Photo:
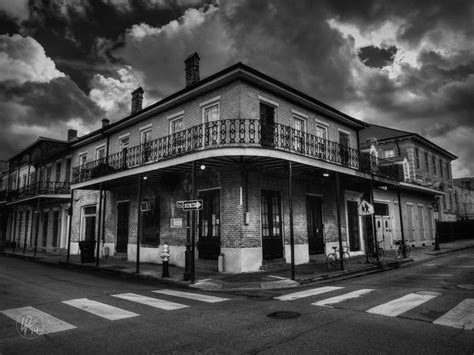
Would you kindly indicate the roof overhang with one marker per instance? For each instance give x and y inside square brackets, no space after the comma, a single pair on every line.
[422,189]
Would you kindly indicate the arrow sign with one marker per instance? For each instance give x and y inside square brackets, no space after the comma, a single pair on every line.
[190,205]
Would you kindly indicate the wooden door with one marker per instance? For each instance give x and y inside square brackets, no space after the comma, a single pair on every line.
[353,225]
[122,227]
[272,238]
[315,224]
[267,125]
[209,244]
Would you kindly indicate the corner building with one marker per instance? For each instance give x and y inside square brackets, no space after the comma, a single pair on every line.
[273,166]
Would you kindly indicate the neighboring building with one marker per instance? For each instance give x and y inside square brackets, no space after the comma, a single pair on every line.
[38,196]
[243,129]
[3,204]
[427,178]
[464,198]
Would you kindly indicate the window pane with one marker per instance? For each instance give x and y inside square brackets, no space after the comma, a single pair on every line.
[381,209]
[211,113]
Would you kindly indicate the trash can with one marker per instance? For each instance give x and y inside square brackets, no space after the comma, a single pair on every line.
[87,248]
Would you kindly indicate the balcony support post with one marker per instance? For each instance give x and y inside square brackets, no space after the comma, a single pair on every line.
[70,225]
[338,214]
[37,227]
[139,221]
[99,226]
[290,204]
[12,238]
[401,220]
[374,236]
[193,225]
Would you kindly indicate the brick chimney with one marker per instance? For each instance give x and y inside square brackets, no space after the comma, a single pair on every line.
[105,122]
[191,65]
[71,134]
[137,100]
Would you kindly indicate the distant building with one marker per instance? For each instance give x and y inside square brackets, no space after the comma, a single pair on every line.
[464,198]
[426,184]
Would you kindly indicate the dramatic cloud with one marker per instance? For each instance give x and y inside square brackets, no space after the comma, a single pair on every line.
[404,64]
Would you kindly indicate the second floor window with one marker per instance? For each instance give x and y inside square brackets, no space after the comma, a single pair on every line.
[299,126]
[427,163]
[417,158]
[124,143]
[448,171]
[58,171]
[441,173]
[82,159]
[100,154]
[48,173]
[68,170]
[433,160]
[211,113]
[389,153]
[176,125]
[145,136]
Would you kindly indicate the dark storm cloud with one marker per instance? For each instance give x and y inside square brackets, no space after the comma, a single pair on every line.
[376,57]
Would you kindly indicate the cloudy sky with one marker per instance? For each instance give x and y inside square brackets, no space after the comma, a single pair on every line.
[402,64]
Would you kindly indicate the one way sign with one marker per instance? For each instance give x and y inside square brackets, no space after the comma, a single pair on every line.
[190,205]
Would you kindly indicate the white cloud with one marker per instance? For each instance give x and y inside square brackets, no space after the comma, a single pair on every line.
[17,9]
[23,59]
[159,52]
[114,94]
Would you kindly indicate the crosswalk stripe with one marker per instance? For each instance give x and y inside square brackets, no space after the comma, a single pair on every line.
[307,293]
[192,296]
[343,297]
[401,305]
[49,324]
[461,316]
[100,309]
[149,301]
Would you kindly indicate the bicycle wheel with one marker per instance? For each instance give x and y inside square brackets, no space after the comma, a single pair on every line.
[346,257]
[407,251]
[331,261]
[380,254]
[398,252]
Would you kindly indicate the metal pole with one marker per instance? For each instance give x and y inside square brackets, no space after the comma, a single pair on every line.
[139,224]
[37,226]
[338,213]
[401,220]
[103,216]
[14,227]
[26,228]
[193,225]
[374,237]
[292,237]
[70,226]
[99,226]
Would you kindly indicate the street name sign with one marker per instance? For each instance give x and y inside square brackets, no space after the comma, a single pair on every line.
[190,205]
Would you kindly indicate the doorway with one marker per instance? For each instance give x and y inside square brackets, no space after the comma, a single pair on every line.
[272,241]
[315,224]
[89,218]
[421,224]
[122,227]
[267,123]
[209,244]
[410,227]
[45,229]
[353,225]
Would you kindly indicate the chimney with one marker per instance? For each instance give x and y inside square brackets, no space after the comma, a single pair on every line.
[137,99]
[105,122]
[191,65]
[71,134]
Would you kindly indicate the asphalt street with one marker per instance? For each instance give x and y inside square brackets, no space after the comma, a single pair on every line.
[422,308]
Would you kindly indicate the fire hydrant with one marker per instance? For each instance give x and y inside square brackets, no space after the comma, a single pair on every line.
[165,256]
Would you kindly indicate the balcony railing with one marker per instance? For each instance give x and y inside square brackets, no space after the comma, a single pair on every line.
[39,188]
[234,133]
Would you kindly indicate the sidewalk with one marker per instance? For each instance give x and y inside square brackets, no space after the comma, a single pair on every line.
[269,279]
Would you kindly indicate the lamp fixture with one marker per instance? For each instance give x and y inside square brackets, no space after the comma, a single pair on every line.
[202,166]
[145,177]
[326,174]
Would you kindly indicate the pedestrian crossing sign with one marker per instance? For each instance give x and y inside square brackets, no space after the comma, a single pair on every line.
[365,208]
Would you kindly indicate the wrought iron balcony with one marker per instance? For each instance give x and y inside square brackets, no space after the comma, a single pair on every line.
[39,188]
[234,133]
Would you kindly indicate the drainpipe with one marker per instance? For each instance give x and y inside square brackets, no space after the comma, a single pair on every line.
[338,213]
[292,238]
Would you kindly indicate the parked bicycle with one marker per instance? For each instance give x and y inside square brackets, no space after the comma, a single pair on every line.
[402,249]
[377,253]
[333,259]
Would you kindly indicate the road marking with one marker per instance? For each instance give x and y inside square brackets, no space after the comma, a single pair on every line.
[307,293]
[401,305]
[192,296]
[466,256]
[50,324]
[347,296]
[431,275]
[461,316]
[462,266]
[149,301]
[100,309]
